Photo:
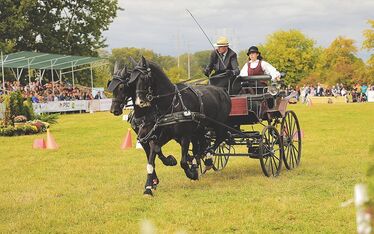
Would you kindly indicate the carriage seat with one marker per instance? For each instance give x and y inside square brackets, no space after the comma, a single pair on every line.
[249,85]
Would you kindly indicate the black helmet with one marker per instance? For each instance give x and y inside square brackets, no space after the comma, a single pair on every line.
[253,49]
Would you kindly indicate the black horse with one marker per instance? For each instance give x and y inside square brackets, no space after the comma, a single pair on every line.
[142,119]
[154,89]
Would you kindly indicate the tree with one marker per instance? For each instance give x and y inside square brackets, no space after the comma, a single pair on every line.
[102,76]
[368,44]
[369,37]
[55,26]
[290,52]
[122,55]
[176,74]
[339,64]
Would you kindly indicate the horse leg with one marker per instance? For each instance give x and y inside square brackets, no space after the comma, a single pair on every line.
[192,172]
[169,160]
[220,137]
[155,179]
[152,180]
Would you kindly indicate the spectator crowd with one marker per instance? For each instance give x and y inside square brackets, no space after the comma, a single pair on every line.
[56,91]
[355,93]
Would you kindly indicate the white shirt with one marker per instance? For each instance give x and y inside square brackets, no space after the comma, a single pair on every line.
[266,67]
[223,56]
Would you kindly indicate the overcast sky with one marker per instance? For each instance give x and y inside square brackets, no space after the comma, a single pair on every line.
[157,24]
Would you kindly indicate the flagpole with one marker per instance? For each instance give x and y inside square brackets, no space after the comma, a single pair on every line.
[2,71]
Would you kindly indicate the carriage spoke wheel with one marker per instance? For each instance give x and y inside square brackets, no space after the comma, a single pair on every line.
[220,161]
[291,138]
[271,151]
[202,169]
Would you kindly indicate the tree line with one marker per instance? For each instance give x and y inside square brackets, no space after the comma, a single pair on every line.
[75,27]
[292,52]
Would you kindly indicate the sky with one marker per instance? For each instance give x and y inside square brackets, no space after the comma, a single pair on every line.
[166,27]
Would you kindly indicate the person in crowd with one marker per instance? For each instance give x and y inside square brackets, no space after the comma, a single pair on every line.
[34,98]
[98,95]
[364,89]
[223,61]
[343,92]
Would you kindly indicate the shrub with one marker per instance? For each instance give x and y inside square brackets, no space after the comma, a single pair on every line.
[7,131]
[14,107]
[41,126]
[29,128]
[48,118]
[28,111]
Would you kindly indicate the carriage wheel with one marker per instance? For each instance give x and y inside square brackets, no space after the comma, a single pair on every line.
[202,169]
[271,151]
[291,138]
[220,161]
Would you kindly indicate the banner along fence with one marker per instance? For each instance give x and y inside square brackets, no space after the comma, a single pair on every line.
[73,106]
[67,106]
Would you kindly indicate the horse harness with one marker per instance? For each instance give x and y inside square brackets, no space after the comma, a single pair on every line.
[175,117]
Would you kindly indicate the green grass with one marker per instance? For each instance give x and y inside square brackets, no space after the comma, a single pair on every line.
[90,185]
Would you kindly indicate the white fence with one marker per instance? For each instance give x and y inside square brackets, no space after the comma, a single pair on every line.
[67,106]
[370,96]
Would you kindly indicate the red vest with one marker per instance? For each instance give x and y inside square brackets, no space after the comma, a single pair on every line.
[255,71]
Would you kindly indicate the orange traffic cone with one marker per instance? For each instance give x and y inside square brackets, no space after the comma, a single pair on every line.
[127,142]
[39,144]
[51,143]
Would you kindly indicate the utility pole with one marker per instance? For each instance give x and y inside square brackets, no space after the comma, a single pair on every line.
[2,70]
[178,61]
[188,62]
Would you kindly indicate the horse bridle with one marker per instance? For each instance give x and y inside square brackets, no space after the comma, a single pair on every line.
[146,72]
[118,80]
[146,76]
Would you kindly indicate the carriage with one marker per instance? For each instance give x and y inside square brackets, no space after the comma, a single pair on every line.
[164,111]
[279,141]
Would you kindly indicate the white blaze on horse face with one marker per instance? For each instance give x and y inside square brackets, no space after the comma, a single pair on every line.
[141,103]
[137,101]
[149,168]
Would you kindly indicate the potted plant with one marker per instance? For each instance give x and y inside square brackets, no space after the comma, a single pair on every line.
[19,120]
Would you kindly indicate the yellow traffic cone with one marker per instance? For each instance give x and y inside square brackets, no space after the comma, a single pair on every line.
[51,143]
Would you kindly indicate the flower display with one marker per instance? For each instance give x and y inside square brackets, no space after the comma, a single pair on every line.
[20,119]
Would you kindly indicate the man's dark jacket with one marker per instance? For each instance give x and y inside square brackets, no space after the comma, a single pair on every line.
[215,64]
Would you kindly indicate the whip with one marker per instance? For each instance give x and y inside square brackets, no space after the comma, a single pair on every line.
[220,58]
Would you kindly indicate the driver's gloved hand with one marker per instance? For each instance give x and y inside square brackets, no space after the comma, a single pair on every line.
[230,73]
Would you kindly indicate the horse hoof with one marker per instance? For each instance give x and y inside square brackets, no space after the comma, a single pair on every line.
[171,161]
[155,183]
[148,193]
[195,175]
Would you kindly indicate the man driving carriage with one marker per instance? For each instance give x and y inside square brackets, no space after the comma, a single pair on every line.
[223,63]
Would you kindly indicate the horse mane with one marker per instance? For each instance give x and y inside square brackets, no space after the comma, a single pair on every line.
[158,72]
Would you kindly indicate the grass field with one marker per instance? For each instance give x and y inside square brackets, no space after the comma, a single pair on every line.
[90,185]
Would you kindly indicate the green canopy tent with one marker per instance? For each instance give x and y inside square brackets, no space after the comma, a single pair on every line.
[61,64]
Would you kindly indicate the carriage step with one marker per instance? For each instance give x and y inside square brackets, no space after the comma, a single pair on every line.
[246,135]
[254,152]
